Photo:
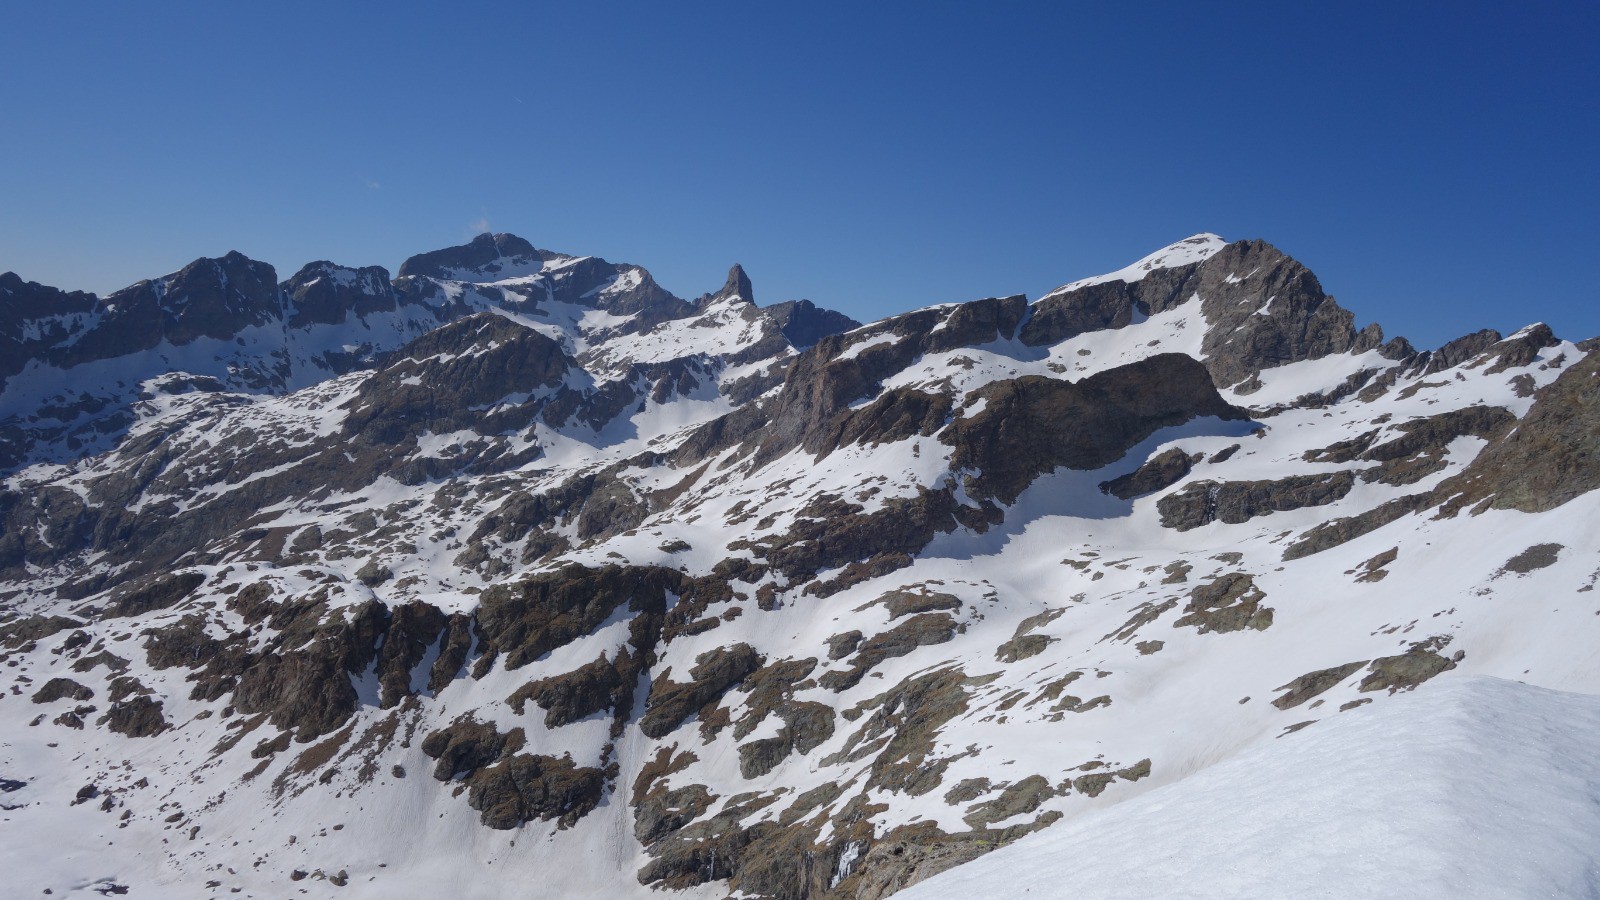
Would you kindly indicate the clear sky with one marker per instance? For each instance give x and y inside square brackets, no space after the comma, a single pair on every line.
[1434,163]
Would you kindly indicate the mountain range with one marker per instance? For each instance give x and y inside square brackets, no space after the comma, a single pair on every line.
[515,574]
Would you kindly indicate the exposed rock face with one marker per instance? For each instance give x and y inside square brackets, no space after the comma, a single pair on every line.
[1552,457]
[468,745]
[33,317]
[1263,309]
[804,323]
[1458,351]
[486,256]
[135,717]
[521,623]
[448,376]
[528,787]
[308,688]
[215,298]
[1296,321]
[508,788]
[595,687]
[1230,603]
[323,293]
[1159,472]
[414,628]
[821,385]
[62,689]
[161,594]
[1236,502]
[1031,426]
[1093,308]
[1311,684]
[714,672]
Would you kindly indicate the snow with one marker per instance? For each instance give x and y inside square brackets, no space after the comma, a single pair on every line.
[1194,249]
[1469,787]
[1228,807]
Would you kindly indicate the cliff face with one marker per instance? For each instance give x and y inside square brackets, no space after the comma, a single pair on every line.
[517,569]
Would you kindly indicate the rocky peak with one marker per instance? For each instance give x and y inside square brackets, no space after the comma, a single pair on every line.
[20,300]
[209,298]
[218,298]
[1261,308]
[737,287]
[1187,252]
[33,315]
[804,323]
[487,257]
[325,293]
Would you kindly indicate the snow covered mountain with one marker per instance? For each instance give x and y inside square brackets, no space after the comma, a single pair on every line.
[517,574]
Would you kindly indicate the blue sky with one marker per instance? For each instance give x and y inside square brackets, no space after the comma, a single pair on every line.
[1435,164]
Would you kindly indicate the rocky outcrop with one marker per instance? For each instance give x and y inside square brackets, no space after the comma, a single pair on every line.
[1158,473]
[921,630]
[35,628]
[1237,502]
[1334,532]
[804,323]
[602,685]
[526,787]
[1264,309]
[1230,602]
[864,544]
[714,672]
[62,689]
[135,717]
[508,788]
[323,293]
[1552,456]
[487,256]
[1031,426]
[445,379]
[306,686]
[467,745]
[520,623]
[1311,684]
[1421,661]
[160,593]
[806,726]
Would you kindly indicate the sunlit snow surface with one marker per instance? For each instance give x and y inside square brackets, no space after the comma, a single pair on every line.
[1189,250]
[1469,788]
[1390,785]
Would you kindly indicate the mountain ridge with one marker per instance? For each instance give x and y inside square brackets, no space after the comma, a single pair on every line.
[718,598]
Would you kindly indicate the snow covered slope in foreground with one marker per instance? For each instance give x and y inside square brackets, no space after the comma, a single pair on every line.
[1469,787]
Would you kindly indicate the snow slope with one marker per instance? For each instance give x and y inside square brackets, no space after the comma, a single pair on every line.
[1470,787]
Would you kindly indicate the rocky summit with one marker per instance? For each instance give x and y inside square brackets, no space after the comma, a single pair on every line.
[515,574]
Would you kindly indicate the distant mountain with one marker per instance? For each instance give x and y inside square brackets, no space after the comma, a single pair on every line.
[516,569]
[73,365]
